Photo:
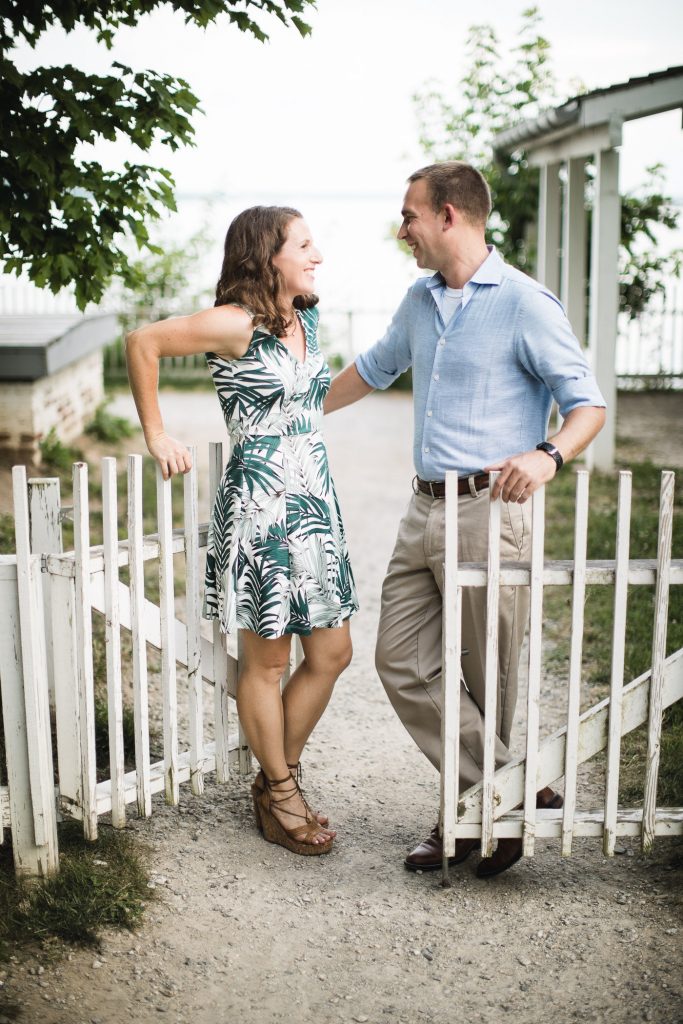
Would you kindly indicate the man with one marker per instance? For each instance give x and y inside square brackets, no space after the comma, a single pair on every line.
[490,350]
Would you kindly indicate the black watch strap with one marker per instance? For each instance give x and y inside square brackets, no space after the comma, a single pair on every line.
[546,446]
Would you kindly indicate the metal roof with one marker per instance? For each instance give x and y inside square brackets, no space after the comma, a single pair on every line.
[34,346]
[624,101]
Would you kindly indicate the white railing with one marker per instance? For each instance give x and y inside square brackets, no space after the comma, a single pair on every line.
[491,809]
[48,598]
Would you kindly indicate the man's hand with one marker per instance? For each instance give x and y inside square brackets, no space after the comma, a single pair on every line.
[521,475]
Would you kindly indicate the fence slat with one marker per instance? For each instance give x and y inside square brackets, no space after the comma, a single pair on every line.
[450,677]
[617,674]
[193,616]
[86,684]
[654,734]
[33,659]
[21,749]
[221,661]
[571,760]
[46,538]
[167,613]
[491,673]
[112,639]
[137,602]
[534,685]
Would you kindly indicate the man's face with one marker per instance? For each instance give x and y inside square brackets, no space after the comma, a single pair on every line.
[422,228]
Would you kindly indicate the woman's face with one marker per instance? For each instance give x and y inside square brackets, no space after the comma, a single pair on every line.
[297,259]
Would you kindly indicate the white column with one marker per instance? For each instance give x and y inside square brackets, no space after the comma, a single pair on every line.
[549,223]
[573,284]
[604,298]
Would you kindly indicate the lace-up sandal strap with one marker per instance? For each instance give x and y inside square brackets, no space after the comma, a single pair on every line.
[299,771]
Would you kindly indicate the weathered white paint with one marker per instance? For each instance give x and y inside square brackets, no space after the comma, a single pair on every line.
[168,659]
[221,666]
[46,537]
[34,671]
[491,671]
[666,507]
[193,603]
[84,665]
[534,683]
[137,596]
[16,803]
[112,639]
[576,647]
[617,674]
[450,676]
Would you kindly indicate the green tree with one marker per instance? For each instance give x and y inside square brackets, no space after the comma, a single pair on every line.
[499,89]
[65,219]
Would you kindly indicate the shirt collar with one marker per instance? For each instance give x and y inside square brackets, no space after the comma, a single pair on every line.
[490,272]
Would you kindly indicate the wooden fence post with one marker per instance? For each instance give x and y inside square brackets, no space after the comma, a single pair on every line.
[46,538]
[25,696]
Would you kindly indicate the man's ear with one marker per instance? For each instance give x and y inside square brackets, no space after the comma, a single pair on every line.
[451,216]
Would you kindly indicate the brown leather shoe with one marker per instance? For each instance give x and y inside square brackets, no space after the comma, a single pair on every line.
[509,851]
[428,856]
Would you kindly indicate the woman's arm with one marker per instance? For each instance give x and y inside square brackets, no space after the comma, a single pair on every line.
[225,330]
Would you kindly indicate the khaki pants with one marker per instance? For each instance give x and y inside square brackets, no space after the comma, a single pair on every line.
[408,655]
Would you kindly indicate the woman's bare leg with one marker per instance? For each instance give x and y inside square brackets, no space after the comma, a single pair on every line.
[260,707]
[327,652]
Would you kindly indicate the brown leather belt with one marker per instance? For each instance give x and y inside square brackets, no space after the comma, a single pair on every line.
[466,485]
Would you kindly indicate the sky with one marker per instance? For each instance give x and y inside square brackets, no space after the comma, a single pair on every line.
[331,116]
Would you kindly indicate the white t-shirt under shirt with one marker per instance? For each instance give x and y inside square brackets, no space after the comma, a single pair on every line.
[451,301]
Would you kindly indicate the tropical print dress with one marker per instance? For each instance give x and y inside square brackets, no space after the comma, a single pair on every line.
[277,561]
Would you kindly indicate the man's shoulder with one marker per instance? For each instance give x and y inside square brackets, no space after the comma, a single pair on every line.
[530,291]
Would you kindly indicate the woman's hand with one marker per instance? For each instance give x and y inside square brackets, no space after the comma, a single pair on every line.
[172,456]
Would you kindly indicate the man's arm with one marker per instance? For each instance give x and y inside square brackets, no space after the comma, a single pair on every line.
[347,387]
[523,474]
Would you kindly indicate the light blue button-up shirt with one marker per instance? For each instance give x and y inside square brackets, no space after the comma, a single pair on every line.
[484,383]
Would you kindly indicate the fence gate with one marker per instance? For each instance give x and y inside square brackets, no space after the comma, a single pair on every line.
[504,802]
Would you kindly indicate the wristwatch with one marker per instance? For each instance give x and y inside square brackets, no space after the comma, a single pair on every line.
[546,446]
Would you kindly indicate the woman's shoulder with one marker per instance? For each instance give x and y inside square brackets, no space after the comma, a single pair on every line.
[230,328]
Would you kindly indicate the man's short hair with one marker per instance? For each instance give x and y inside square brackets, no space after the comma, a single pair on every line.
[459,184]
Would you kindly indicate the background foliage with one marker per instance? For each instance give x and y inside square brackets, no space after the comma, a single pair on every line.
[64,218]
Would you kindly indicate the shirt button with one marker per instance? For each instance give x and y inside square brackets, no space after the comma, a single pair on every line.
[436,376]
[429,412]
[442,342]
[426,451]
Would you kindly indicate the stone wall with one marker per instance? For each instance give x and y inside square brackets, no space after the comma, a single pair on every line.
[66,400]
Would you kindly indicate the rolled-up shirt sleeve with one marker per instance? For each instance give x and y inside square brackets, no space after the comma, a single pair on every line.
[549,350]
[391,355]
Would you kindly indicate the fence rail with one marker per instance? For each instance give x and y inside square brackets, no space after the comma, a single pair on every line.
[50,599]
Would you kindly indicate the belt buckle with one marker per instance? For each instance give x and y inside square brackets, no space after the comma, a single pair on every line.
[416,489]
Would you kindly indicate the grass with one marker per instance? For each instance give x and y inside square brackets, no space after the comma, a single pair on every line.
[107,427]
[597,648]
[99,885]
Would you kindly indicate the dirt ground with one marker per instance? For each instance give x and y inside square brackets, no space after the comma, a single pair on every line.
[243,930]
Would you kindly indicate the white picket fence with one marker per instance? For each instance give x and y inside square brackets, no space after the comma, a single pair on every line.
[488,810]
[48,597]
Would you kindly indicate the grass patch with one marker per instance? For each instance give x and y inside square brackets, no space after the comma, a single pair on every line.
[56,455]
[599,610]
[107,427]
[101,884]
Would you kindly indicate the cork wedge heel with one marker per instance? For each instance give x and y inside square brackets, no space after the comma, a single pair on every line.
[298,839]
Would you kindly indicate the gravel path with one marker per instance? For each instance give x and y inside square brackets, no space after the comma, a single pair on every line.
[246,931]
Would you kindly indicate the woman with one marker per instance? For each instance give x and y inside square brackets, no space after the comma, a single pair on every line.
[277,562]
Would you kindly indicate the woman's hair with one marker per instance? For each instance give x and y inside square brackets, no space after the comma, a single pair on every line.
[248,277]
